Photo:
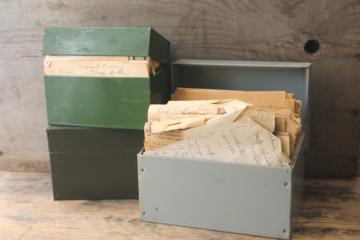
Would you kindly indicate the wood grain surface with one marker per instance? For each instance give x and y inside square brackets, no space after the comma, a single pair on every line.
[27,211]
[203,29]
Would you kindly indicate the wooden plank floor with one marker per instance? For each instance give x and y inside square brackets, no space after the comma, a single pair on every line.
[27,211]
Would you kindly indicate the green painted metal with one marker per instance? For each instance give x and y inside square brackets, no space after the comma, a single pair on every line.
[97,102]
[105,102]
[100,163]
[106,41]
[93,163]
[159,47]
[160,87]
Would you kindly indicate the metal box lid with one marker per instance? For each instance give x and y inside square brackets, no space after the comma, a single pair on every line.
[106,41]
[245,75]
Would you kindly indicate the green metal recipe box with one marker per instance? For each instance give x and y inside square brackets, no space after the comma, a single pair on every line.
[113,93]
[94,163]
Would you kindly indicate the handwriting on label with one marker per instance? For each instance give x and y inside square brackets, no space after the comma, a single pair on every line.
[95,66]
[97,69]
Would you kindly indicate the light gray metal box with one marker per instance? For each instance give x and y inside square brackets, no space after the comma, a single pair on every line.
[247,199]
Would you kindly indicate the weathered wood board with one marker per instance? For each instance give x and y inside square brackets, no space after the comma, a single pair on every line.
[28,212]
[204,29]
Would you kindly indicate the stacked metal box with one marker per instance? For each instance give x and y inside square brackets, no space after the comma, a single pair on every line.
[96,130]
[96,123]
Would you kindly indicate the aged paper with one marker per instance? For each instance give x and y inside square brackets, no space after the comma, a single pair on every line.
[98,66]
[277,99]
[247,96]
[157,140]
[191,118]
[160,139]
[156,112]
[243,141]
[293,128]
[183,116]
[262,115]
[177,116]
[254,97]
[285,142]
[176,124]
[288,122]
[218,122]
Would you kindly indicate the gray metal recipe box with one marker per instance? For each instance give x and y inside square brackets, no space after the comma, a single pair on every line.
[239,198]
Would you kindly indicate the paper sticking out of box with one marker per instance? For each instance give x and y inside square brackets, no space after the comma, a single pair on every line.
[242,141]
[233,129]
[277,99]
[287,109]
[178,120]
[262,131]
[262,115]
[99,66]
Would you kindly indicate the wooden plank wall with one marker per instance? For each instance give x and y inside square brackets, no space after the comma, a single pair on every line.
[202,29]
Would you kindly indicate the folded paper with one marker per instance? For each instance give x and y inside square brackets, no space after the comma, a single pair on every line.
[287,109]
[243,141]
[262,131]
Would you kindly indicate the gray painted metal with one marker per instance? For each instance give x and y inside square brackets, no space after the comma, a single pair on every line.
[245,75]
[227,63]
[238,198]
[248,199]
[297,178]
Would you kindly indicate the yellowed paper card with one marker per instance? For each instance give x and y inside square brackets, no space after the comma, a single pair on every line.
[264,116]
[278,99]
[157,140]
[243,141]
[285,142]
[97,66]
[176,124]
